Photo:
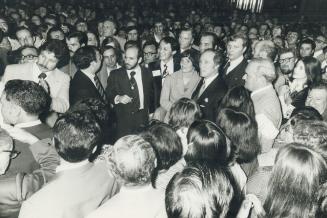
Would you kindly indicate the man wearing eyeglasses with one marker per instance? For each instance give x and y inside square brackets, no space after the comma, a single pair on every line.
[31,163]
[150,53]
[29,54]
[286,62]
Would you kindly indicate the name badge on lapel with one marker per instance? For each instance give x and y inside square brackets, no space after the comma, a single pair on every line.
[156,73]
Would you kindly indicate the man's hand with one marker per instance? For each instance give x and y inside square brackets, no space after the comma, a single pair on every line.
[124,99]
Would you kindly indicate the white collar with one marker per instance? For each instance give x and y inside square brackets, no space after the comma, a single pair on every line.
[237,61]
[89,75]
[261,90]
[137,70]
[209,80]
[28,124]
[136,188]
[64,165]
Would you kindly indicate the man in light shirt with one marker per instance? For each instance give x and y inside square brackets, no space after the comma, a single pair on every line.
[259,75]
[80,186]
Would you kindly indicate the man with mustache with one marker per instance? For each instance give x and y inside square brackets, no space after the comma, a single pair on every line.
[130,91]
[45,72]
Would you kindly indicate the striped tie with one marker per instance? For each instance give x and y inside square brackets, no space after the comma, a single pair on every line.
[100,89]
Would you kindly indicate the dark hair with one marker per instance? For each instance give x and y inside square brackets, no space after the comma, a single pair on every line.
[312,70]
[84,56]
[294,182]
[213,36]
[150,42]
[207,143]
[54,29]
[306,113]
[134,44]
[81,37]
[28,95]
[242,130]
[238,97]
[201,191]
[75,135]
[170,40]
[183,113]
[166,143]
[96,37]
[94,106]
[58,47]
[309,41]
[110,39]
[195,62]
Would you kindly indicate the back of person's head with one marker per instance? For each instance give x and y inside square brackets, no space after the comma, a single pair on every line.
[265,49]
[265,68]
[84,56]
[207,143]
[306,113]
[94,106]
[58,47]
[183,113]
[200,191]
[132,159]
[81,37]
[294,182]
[238,97]
[30,96]
[242,130]
[111,41]
[166,143]
[76,135]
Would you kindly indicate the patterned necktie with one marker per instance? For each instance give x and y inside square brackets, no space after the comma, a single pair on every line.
[165,71]
[100,88]
[42,80]
[135,90]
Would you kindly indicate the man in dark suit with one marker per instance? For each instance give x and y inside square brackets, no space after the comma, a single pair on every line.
[86,83]
[130,89]
[167,64]
[212,88]
[234,70]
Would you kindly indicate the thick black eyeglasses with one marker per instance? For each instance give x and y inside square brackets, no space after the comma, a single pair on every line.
[13,154]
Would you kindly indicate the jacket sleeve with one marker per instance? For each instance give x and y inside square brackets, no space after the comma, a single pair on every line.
[165,93]
[60,102]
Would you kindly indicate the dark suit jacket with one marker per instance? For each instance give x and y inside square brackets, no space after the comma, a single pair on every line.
[157,78]
[81,87]
[211,98]
[234,77]
[119,84]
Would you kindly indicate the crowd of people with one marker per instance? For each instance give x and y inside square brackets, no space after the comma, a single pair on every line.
[124,109]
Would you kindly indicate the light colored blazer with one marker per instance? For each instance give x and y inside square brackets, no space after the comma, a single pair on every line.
[57,80]
[173,88]
[73,193]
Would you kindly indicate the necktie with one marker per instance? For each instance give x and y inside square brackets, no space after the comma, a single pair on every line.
[135,91]
[100,88]
[43,82]
[196,93]
[165,71]
[226,67]
[203,87]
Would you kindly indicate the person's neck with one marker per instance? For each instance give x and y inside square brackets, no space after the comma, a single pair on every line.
[167,60]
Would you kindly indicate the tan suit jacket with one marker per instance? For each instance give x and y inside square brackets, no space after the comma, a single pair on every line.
[57,80]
